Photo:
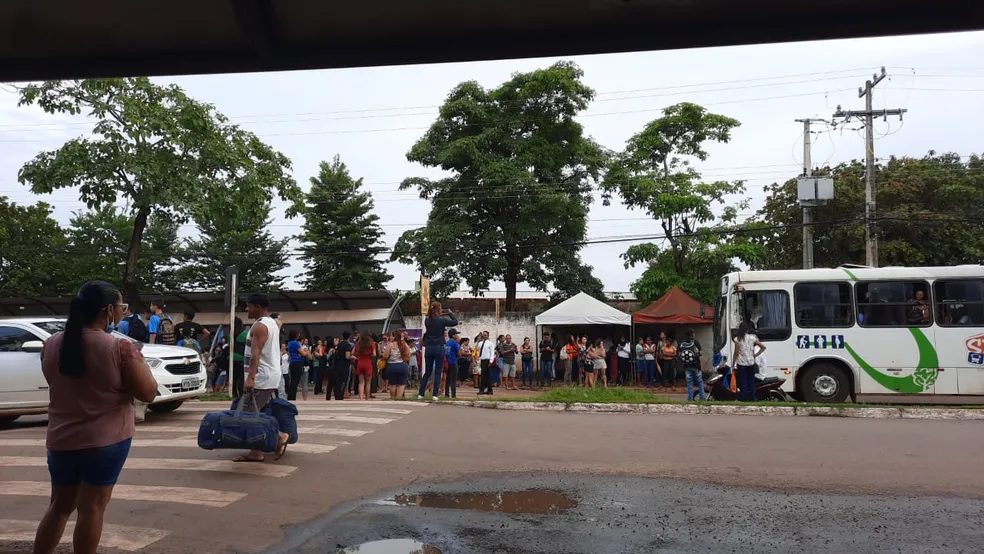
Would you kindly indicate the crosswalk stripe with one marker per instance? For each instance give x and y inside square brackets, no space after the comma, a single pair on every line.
[305,409]
[317,430]
[223,466]
[350,418]
[122,537]
[176,495]
[181,442]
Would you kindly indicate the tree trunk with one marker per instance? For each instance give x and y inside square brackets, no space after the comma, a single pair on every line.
[510,278]
[130,290]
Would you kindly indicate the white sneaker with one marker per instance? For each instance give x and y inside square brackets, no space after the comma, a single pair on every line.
[419,397]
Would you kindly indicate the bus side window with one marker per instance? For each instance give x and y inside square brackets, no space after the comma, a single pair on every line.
[894,304]
[959,303]
[768,310]
[820,305]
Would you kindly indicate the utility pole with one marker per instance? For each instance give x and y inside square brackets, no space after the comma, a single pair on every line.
[807,205]
[870,227]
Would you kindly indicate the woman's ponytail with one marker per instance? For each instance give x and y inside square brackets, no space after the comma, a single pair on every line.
[93,297]
[72,359]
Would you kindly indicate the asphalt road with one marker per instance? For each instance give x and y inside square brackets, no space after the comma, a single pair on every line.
[641,483]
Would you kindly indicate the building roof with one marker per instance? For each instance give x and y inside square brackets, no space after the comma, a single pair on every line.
[49,39]
[297,306]
[675,307]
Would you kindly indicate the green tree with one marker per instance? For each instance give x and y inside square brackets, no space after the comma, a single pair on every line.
[928,212]
[155,148]
[32,252]
[232,233]
[515,203]
[576,279]
[655,173]
[341,237]
[99,239]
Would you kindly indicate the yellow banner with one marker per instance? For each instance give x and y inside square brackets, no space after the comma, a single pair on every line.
[425,293]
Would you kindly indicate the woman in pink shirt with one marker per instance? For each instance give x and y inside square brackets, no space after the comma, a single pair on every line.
[93,378]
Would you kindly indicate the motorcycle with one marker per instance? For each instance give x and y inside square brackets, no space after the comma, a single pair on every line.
[718,387]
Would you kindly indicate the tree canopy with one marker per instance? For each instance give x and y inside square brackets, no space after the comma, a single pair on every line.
[655,173]
[341,237]
[928,213]
[32,251]
[230,232]
[514,204]
[154,148]
[98,245]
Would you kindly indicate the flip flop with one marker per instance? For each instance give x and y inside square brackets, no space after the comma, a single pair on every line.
[248,459]
[281,449]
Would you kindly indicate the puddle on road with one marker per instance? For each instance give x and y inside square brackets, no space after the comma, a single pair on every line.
[392,546]
[535,501]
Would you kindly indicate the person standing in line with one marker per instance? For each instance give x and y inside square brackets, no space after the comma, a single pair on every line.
[640,358]
[263,368]
[486,354]
[595,361]
[546,360]
[453,348]
[383,373]
[465,359]
[507,353]
[93,379]
[435,325]
[526,356]
[624,367]
[649,352]
[747,348]
[689,353]
[160,326]
[238,353]
[297,354]
[342,361]
[189,328]
[364,352]
[284,371]
[414,360]
[396,352]
[668,359]
[574,368]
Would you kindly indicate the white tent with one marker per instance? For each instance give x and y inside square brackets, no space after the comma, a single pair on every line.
[583,309]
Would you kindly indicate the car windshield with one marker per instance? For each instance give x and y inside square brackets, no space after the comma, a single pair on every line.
[51,327]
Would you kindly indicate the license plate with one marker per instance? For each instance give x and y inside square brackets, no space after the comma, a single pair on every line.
[190,383]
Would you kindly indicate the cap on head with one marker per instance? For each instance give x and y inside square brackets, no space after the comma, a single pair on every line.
[452,332]
[258,299]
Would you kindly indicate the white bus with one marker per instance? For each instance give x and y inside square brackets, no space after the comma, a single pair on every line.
[845,332]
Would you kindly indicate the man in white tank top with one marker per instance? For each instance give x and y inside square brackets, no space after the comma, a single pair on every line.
[262,361]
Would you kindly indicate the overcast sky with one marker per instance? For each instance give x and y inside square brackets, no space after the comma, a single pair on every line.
[371,117]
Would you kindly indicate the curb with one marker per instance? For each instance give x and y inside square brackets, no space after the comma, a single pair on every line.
[938,414]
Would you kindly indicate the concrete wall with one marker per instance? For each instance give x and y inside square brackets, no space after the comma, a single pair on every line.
[519,324]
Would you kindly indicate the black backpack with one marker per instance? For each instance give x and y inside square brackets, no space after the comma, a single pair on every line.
[138,329]
[688,353]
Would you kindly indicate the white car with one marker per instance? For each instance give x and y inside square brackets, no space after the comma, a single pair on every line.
[179,371]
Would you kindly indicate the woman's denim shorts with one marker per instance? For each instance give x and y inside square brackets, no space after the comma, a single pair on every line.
[99,467]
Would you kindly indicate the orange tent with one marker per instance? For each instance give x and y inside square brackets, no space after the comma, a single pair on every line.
[675,306]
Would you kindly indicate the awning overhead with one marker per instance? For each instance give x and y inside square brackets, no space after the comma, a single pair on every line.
[675,307]
[583,309]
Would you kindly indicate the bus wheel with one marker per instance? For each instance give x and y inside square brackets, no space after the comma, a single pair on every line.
[825,383]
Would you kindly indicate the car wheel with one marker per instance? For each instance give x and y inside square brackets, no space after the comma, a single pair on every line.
[825,383]
[164,407]
[4,420]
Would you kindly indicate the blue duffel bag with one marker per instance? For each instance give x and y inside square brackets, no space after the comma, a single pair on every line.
[239,430]
[284,412]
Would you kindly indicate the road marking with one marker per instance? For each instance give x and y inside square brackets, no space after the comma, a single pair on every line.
[318,430]
[308,409]
[223,466]
[122,537]
[177,495]
[350,418]
[182,442]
